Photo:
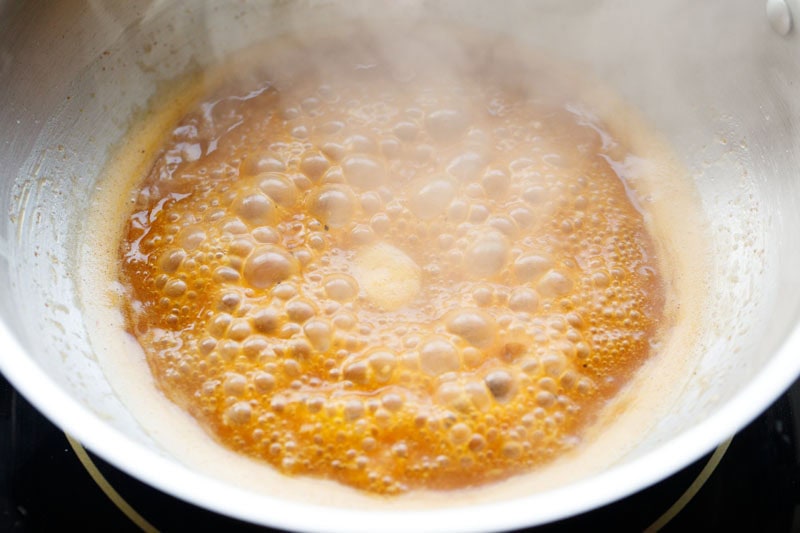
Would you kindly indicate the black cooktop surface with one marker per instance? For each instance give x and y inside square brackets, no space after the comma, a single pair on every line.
[49,482]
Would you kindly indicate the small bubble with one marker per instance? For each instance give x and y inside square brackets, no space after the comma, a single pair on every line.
[457,211]
[284,291]
[524,300]
[333,151]
[171,261]
[264,382]
[218,326]
[478,394]
[500,384]
[553,363]
[175,288]
[400,449]
[371,202]
[530,267]
[545,399]
[382,364]
[191,237]
[522,216]
[259,164]
[353,410]
[534,195]
[431,198]
[504,225]
[392,402]
[406,131]
[299,311]
[268,265]
[361,144]
[278,188]
[226,274]
[318,333]
[438,356]
[234,227]
[300,132]
[380,223]
[568,379]
[467,166]
[341,287]
[355,372]
[266,235]
[364,171]
[362,234]
[585,386]
[234,384]
[496,183]
[582,350]
[472,356]
[241,247]
[446,125]
[478,213]
[333,205]
[473,325]
[239,329]
[512,449]
[487,256]
[344,321]
[255,208]
[553,284]
[460,433]
[601,279]
[476,443]
[239,413]
[483,296]
[266,320]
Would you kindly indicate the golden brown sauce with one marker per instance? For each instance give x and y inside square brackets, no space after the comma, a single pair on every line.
[356,267]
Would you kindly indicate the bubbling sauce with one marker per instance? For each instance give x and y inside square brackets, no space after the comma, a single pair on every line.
[377,270]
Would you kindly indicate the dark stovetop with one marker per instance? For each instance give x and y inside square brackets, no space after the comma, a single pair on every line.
[50,483]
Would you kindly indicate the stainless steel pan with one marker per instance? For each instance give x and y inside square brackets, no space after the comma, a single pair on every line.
[720,80]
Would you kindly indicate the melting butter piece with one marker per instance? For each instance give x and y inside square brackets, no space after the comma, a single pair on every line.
[389,277]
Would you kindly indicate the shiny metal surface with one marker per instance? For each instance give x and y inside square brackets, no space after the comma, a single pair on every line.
[713,77]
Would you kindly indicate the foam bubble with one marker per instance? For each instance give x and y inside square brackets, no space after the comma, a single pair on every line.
[341,287]
[487,255]
[473,325]
[334,205]
[364,171]
[431,198]
[268,265]
[278,188]
[438,356]
[446,125]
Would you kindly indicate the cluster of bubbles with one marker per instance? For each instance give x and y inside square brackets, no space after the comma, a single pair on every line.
[539,289]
